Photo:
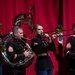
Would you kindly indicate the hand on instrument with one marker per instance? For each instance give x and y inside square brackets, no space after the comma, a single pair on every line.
[46,35]
[27,53]
[54,36]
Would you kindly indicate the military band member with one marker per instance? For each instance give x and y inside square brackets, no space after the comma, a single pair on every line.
[40,46]
[15,50]
[70,52]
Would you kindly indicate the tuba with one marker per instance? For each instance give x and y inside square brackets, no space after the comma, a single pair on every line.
[7,37]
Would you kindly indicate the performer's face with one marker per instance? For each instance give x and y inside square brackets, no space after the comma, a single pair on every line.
[39,30]
[19,33]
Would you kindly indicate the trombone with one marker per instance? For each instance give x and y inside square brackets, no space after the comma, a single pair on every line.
[59,31]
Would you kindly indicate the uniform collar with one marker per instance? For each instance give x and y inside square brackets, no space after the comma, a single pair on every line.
[38,36]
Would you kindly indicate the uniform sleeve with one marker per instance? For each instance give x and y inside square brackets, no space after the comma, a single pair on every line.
[37,46]
[67,49]
[51,46]
[10,55]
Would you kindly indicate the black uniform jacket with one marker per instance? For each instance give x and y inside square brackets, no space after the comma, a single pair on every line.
[18,47]
[42,46]
[71,57]
[70,40]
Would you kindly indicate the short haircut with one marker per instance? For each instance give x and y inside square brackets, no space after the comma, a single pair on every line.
[15,29]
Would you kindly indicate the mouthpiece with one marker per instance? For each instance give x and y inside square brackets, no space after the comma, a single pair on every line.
[25,38]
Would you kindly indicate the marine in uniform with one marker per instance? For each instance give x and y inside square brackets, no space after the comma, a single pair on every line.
[69,51]
[40,45]
[16,51]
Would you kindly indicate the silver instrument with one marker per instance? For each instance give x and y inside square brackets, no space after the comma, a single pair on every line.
[22,63]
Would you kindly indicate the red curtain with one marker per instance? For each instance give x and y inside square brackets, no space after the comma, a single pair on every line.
[48,13]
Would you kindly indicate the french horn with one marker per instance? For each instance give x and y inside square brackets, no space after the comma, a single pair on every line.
[22,63]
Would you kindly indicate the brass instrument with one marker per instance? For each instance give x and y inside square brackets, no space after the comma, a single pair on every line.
[59,31]
[22,63]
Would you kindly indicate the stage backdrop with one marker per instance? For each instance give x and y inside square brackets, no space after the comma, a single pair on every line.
[45,12]
[48,13]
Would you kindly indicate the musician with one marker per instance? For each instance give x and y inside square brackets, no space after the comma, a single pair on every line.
[59,33]
[15,50]
[70,51]
[41,44]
